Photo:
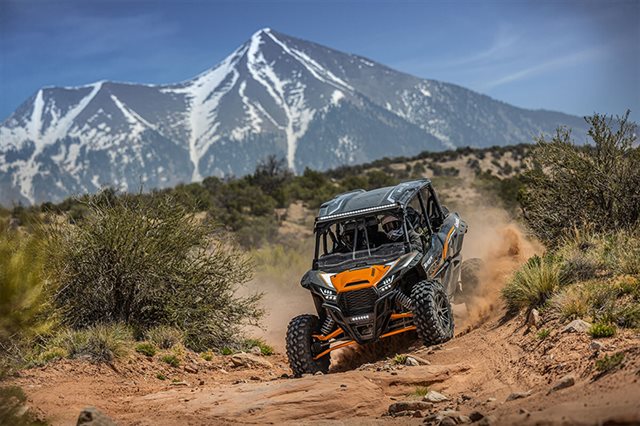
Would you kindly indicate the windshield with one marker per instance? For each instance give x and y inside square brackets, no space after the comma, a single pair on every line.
[375,238]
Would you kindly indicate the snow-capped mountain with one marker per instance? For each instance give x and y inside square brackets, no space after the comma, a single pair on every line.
[275,94]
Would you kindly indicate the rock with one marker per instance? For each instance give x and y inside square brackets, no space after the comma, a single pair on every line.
[525,412]
[421,361]
[92,416]
[412,362]
[486,421]
[201,382]
[179,383]
[318,373]
[418,414]
[284,376]
[249,360]
[596,346]
[255,378]
[475,416]
[343,385]
[533,319]
[398,407]
[191,369]
[565,382]
[447,421]
[433,396]
[256,350]
[576,326]
[517,395]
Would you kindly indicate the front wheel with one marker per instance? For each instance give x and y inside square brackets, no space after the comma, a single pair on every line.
[301,346]
[432,313]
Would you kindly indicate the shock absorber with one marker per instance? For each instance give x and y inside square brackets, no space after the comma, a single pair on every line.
[404,300]
[327,327]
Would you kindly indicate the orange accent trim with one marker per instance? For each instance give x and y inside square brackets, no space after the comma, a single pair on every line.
[446,243]
[402,330]
[329,336]
[368,277]
[333,348]
[402,315]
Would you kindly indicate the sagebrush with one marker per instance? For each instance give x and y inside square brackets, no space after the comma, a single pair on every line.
[147,262]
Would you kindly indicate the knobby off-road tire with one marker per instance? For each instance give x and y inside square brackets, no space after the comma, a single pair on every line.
[300,346]
[470,278]
[432,314]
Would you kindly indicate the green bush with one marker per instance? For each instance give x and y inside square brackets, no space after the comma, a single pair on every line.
[25,313]
[592,186]
[146,348]
[543,334]
[165,337]
[147,261]
[264,348]
[599,330]
[534,283]
[609,363]
[171,359]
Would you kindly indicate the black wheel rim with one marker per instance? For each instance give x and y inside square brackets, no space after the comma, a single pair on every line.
[442,311]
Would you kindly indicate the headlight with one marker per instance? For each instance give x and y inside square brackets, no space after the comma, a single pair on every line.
[328,294]
[385,285]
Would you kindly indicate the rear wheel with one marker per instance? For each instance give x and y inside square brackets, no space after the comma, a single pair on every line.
[302,347]
[470,278]
[432,313]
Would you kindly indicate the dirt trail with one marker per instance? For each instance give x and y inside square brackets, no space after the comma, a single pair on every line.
[490,358]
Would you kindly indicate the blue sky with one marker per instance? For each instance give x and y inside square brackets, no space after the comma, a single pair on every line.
[577,57]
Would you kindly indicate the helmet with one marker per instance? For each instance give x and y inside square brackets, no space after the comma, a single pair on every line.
[392,227]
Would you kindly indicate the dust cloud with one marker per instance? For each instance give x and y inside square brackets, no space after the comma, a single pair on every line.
[503,246]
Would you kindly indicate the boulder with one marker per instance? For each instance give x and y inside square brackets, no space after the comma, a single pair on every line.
[576,326]
[398,407]
[412,362]
[565,382]
[249,360]
[533,319]
[518,395]
[433,396]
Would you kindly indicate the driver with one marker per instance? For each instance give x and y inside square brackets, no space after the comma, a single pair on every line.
[392,226]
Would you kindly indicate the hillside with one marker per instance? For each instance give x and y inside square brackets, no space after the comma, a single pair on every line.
[275,95]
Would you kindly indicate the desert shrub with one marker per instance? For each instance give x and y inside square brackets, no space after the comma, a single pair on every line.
[171,359]
[400,359]
[420,391]
[570,304]
[265,349]
[12,408]
[100,343]
[207,355]
[608,363]
[596,186]
[147,261]
[165,337]
[543,334]
[611,301]
[146,348]
[24,294]
[534,283]
[601,329]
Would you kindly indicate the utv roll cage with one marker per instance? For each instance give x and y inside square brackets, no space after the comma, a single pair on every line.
[359,205]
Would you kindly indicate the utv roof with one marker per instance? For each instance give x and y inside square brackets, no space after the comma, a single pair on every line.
[358,202]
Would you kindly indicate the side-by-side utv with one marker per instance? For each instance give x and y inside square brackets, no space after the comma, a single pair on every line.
[386,261]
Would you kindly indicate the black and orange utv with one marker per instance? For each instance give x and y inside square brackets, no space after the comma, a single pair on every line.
[387,261]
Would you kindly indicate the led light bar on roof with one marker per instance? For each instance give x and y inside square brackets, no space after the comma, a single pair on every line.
[355,212]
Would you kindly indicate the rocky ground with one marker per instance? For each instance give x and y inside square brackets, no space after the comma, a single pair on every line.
[499,372]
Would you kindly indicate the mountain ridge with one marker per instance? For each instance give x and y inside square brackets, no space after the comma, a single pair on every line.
[275,94]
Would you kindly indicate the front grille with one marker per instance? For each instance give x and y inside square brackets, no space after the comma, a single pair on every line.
[357,302]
